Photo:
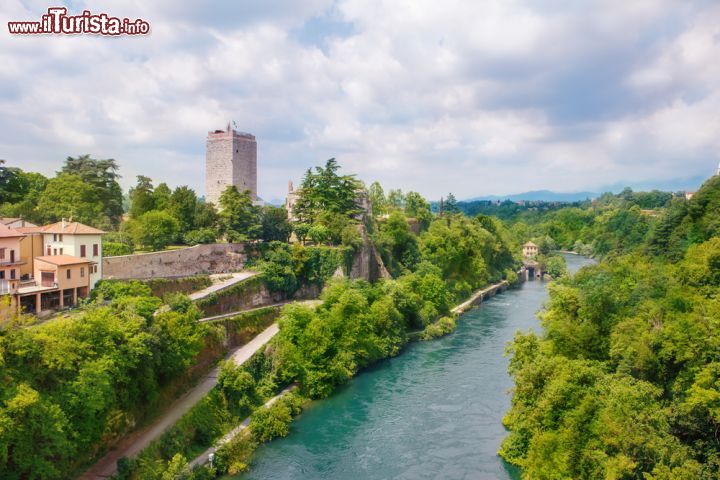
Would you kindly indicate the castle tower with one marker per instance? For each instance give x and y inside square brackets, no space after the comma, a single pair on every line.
[230,159]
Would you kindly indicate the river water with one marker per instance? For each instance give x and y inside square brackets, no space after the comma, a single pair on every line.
[432,412]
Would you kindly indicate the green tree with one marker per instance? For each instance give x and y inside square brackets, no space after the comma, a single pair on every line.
[239,218]
[183,206]
[275,224]
[324,190]
[377,199]
[451,205]
[141,197]
[103,177]
[161,197]
[417,207]
[70,196]
[154,229]
[396,198]
[20,192]
[206,215]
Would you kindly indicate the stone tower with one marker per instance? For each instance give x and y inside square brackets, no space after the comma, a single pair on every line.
[230,159]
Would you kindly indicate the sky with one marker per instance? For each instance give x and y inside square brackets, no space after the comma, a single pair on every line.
[470,97]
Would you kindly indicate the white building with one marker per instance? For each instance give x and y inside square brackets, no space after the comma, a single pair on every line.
[78,240]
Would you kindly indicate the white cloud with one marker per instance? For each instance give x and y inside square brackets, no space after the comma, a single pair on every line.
[469,97]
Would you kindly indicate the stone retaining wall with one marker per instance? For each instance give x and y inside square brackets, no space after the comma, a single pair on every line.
[185,262]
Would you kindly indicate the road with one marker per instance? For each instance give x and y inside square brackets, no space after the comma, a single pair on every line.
[312,303]
[136,442]
[236,278]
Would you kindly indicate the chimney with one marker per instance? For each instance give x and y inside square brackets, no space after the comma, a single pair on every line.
[290,186]
[63,223]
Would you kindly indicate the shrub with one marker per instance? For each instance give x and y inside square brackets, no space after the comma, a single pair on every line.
[274,421]
[200,236]
[442,327]
[234,457]
[110,289]
[112,249]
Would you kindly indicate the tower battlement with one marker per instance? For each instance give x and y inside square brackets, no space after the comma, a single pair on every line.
[230,159]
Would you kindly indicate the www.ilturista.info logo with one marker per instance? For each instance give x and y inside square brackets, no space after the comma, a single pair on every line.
[58,21]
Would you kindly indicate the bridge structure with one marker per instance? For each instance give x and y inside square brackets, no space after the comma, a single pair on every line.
[532,269]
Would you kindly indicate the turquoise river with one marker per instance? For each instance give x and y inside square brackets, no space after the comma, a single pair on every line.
[432,412]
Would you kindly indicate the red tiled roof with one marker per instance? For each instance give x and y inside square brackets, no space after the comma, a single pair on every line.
[26,230]
[7,232]
[62,260]
[71,228]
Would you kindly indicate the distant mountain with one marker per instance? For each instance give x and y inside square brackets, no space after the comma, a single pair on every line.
[539,195]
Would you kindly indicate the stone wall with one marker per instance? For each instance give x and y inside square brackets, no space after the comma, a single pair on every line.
[250,293]
[185,262]
[367,263]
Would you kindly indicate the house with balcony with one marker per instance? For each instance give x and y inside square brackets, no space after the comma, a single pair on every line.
[77,240]
[60,281]
[47,268]
[10,261]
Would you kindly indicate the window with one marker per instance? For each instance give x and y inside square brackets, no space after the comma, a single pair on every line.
[82,272]
[96,249]
[54,251]
[60,237]
[61,250]
[68,273]
[12,274]
[2,274]
[2,254]
[54,237]
[82,251]
[49,251]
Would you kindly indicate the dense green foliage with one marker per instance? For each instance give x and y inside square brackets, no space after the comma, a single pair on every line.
[286,268]
[240,392]
[74,383]
[85,189]
[327,205]
[359,323]
[274,421]
[624,381]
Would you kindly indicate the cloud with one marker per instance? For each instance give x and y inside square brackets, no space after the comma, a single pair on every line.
[470,97]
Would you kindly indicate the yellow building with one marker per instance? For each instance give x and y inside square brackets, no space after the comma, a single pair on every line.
[530,250]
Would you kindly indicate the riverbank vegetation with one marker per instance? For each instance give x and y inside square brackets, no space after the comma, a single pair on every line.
[74,384]
[357,323]
[623,383]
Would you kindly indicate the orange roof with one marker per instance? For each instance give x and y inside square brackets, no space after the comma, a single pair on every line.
[71,228]
[62,260]
[27,230]
[7,232]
